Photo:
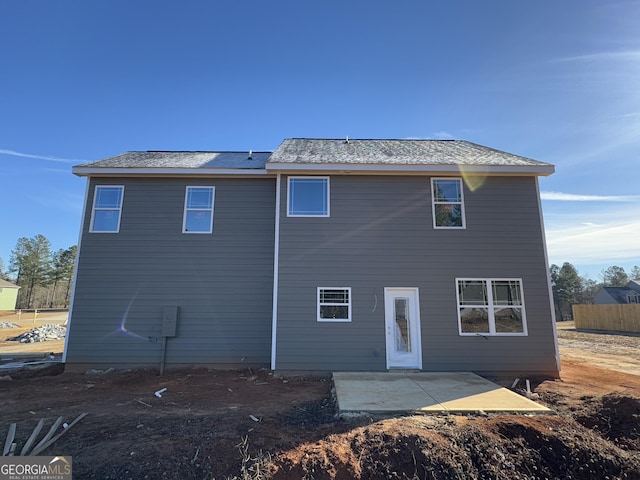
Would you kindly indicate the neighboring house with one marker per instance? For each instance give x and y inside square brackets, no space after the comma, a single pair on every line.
[630,293]
[8,295]
[361,255]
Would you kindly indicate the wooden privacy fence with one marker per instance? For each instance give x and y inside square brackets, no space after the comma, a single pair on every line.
[622,318]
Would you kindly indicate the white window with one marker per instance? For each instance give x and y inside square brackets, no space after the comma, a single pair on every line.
[633,298]
[198,210]
[334,304]
[448,203]
[107,209]
[490,307]
[308,197]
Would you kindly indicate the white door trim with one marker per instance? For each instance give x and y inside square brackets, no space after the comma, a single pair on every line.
[395,358]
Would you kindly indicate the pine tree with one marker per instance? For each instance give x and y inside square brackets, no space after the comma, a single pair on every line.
[31,261]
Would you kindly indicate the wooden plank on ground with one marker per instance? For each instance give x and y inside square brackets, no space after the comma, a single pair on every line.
[39,448]
[11,434]
[32,438]
[49,434]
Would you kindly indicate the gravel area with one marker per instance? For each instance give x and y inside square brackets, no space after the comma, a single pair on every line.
[41,334]
[627,344]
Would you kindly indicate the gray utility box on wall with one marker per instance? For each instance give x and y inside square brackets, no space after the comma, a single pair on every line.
[169,321]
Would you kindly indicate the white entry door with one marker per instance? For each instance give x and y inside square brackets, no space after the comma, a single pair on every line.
[402,323]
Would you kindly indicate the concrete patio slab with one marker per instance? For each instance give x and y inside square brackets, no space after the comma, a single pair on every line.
[426,392]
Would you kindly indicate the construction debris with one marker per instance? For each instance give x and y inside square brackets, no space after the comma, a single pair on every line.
[9,441]
[97,373]
[45,442]
[40,447]
[41,334]
[32,438]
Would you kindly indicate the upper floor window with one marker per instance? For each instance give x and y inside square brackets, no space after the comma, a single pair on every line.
[633,298]
[491,307]
[448,203]
[198,210]
[308,197]
[334,304]
[107,207]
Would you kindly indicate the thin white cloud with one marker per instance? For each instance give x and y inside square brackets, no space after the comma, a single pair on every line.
[65,201]
[64,171]
[607,235]
[38,157]
[571,197]
[442,135]
[588,245]
[602,56]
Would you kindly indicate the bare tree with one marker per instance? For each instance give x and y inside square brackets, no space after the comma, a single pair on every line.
[615,276]
[3,274]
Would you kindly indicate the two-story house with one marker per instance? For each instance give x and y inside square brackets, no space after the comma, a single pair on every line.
[361,255]
[630,293]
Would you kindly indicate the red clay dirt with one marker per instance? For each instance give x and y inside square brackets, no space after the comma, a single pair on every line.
[251,425]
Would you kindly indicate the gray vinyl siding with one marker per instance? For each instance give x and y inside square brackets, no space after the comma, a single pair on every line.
[221,282]
[380,234]
[602,297]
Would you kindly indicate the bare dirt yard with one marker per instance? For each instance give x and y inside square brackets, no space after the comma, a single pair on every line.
[253,424]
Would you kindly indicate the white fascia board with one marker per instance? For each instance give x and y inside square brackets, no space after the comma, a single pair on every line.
[165,172]
[542,170]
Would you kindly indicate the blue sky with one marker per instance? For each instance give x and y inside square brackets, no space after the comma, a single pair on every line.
[555,81]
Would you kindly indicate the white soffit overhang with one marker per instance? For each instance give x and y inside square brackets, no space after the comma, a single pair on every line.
[166,172]
[310,168]
[542,170]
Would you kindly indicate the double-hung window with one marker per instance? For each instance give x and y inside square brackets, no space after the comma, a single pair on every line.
[334,304]
[198,210]
[107,209]
[491,307]
[448,203]
[308,197]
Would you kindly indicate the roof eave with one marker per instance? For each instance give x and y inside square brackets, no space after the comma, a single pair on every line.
[164,172]
[526,170]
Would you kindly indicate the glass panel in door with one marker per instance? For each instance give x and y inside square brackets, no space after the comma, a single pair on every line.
[402,333]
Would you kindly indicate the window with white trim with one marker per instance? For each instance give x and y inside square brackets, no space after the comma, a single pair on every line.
[107,209]
[308,197]
[448,203]
[334,304]
[198,210]
[633,298]
[490,307]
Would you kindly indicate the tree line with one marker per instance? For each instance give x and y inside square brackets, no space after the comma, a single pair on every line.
[569,288]
[45,276]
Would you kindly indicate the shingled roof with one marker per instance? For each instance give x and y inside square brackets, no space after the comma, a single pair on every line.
[307,154]
[620,294]
[394,152]
[162,161]
[6,284]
